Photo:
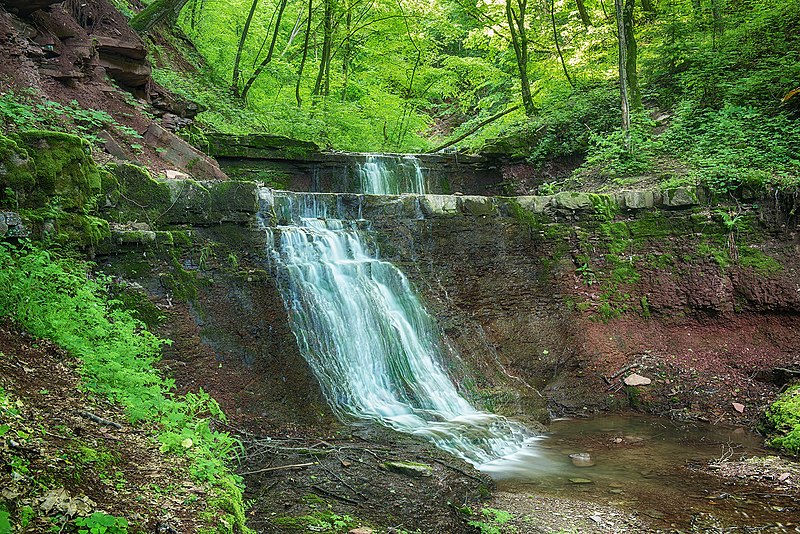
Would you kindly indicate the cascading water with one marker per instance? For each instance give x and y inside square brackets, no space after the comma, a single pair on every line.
[391,175]
[370,342]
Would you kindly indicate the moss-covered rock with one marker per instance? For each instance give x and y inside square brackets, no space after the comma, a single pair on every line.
[16,170]
[782,422]
[137,197]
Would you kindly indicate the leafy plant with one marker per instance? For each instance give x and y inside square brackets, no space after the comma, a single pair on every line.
[101,523]
[494,522]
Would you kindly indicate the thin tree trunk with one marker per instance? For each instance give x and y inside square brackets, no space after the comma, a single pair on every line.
[270,52]
[634,93]
[156,12]
[519,39]
[325,58]
[648,6]
[240,48]
[623,75]
[305,55]
[558,47]
[583,12]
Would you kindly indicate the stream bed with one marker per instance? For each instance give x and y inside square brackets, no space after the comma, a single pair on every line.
[652,466]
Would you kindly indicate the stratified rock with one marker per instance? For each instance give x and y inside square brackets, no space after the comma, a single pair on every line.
[410,469]
[181,154]
[636,380]
[26,7]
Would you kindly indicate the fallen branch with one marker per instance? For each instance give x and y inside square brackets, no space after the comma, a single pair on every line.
[277,468]
[474,129]
[334,495]
[100,420]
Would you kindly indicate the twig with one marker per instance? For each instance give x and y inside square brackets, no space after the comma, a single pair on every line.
[340,479]
[334,495]
[276,468]
[458,470]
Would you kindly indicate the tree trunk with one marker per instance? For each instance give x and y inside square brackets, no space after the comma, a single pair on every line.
[322,85]
[245,30]
[519,39]
[558,47]
[156,12]
[305,55]
[623,75]
[584,13]
[270,52]
[634,93]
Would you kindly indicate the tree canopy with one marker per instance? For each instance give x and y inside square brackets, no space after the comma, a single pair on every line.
[410,75]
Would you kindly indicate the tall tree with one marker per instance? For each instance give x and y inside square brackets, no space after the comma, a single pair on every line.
[240,48]
[623,74]
[584,13]
[515,14]
[305,55]
[558,46]
[322,85]
[631,54]
[270,52]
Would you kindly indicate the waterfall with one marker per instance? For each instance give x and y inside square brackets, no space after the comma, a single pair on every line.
[374,349]
[391,175]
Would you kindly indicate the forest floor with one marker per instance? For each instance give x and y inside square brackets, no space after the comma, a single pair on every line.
[66,453]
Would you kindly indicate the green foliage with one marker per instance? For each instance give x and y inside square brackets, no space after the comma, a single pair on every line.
[494,522]
[101,523]
[28,112]
[59,298]
[782,422]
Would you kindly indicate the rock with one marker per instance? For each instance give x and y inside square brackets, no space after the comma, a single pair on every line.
[181,154]
[477,206]
[535,204]
[636,200]
[581,481]
[571,200]
[739,407]
[258,146]
[681,197]
[26,7]
[411,469]
[784,476]
[439,205]
[3,227]
[360,530]
[636,380]
[111,146]
[176,175]
[581,459]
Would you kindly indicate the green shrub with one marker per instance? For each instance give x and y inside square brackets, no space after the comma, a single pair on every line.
[60,298]
[782,422]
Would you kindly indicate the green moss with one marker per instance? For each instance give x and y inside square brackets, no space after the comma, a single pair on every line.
[141,198]
[16,170]
[781,422]
[63,167]
[758,261]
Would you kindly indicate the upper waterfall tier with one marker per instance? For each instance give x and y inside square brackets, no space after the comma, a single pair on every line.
[382,174]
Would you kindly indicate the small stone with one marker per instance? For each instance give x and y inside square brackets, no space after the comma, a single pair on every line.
[360,530]
[739,407]
[636,380]
[596,518]
[616,491]
[346,463]
[784,476]
[581,459]
[581,481]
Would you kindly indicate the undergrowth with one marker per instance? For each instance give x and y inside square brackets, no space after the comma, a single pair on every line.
[59,298]
[782,422]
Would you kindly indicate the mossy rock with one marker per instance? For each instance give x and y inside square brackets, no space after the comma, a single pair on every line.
[40,165]
[138,196]
[16,170]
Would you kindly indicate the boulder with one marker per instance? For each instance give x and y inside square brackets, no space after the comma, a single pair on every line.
[636,380]
[183,155]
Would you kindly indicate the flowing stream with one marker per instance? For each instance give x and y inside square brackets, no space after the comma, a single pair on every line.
[371,344]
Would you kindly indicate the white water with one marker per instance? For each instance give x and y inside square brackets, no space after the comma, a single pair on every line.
[371,344]
[391,175]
